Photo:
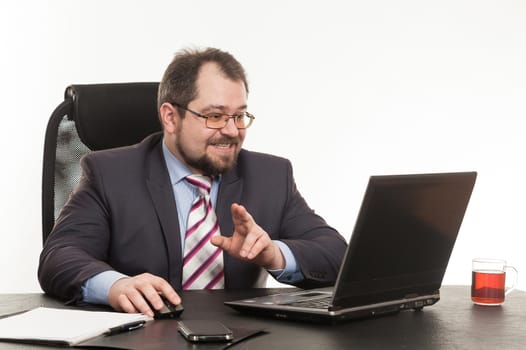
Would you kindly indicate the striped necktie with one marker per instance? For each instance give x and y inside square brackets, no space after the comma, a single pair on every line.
[202,261]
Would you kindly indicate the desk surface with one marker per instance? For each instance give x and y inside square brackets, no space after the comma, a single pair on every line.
[453,323]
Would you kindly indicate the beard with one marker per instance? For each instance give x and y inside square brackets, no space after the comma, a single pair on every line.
[205,163]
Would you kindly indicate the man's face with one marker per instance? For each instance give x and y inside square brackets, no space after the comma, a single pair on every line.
[204,150]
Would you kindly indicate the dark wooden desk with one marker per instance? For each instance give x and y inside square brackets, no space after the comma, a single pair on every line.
[453,323]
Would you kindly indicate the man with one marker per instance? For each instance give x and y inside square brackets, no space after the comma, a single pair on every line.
[126,233]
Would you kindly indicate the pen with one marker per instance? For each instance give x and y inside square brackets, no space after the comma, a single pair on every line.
[127,327]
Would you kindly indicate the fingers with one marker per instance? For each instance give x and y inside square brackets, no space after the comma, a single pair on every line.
[124,304]
[126,295]
[170,294]
[221,242]
[243,221]
[254,244]
[132,294]
[255,238]
[249,240]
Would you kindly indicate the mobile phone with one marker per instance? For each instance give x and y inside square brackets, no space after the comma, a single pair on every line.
[205,331]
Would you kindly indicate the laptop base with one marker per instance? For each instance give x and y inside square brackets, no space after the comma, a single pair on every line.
[255,307]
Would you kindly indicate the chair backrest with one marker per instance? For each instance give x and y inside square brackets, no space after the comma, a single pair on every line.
[91,117]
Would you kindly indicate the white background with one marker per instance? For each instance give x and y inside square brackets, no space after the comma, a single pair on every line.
[345,89]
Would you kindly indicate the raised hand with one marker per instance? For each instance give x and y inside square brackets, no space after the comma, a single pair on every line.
[250,242]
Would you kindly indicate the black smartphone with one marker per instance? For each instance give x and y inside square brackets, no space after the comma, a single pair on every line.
[205,331]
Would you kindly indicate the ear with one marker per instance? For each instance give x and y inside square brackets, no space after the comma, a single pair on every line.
[169,117]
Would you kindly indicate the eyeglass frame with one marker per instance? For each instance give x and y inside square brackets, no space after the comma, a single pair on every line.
[230,116]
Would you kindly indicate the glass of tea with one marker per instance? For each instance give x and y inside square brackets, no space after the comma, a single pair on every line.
[488,281]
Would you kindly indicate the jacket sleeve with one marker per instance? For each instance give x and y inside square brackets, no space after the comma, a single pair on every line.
[317,247]
[77,247]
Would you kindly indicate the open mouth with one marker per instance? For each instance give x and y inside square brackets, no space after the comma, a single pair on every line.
[223,145]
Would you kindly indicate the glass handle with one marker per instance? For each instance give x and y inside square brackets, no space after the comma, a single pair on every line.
[515,278]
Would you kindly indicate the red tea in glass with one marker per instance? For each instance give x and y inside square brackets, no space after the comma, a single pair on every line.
[488,281]
[487,287]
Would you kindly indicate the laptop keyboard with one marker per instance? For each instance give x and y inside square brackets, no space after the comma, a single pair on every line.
[321,303]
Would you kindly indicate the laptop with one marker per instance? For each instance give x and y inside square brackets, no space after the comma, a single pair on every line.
[403,237]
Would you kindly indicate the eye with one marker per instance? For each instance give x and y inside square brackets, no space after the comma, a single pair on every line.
[214,116]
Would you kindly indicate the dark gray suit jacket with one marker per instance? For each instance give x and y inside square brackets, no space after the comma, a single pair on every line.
[122,216]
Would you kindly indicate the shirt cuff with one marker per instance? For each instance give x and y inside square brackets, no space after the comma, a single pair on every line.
[291,272]
[96,289]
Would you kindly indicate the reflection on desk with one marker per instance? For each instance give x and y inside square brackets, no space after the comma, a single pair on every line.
[453,323]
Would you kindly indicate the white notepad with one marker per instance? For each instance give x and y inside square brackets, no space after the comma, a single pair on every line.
[62,326]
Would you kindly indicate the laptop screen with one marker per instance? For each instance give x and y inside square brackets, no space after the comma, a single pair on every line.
[403,238]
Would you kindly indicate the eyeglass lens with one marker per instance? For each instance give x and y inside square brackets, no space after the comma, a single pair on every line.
[218,121]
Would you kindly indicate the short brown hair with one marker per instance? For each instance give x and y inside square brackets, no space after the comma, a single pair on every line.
[179,80]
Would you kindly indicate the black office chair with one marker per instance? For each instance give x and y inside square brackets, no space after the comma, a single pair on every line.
[92,117]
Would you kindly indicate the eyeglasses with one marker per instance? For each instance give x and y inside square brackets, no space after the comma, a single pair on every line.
[219,120]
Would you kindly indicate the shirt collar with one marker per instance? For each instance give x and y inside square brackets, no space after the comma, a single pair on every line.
[176,169]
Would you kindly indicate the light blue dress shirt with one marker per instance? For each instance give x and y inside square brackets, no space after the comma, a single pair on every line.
[95,290]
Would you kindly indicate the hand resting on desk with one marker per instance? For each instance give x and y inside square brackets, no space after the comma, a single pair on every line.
[131,294]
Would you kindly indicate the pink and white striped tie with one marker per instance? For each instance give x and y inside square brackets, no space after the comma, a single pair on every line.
[202,261]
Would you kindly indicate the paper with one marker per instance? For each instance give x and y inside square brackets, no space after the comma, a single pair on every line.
[62,326]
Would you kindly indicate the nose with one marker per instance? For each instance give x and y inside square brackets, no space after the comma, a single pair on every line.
[230,128]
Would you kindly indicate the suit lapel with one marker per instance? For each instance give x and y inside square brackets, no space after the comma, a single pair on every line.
[230,191]
[161,192]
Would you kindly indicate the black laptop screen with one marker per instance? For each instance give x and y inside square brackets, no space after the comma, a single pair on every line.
[404,235]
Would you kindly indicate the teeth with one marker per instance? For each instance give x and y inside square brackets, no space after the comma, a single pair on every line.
[223,145]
